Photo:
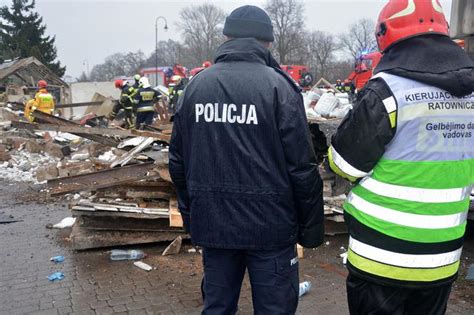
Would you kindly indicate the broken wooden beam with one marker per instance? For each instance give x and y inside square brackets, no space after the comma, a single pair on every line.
[83,104]
[49,119]
[86,239]
[100,179]
[78,129]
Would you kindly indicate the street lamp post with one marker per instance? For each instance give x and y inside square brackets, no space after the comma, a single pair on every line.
[156,45]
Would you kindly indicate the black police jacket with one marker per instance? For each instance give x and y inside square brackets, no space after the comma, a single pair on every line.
[241,156]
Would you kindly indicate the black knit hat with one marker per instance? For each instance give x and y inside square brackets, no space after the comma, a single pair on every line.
[249,21]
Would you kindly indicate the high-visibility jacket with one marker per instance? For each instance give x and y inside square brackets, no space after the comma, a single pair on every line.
[43,101]
[407,216]
[145,99]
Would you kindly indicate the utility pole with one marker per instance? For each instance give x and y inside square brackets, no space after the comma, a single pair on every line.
[156,45]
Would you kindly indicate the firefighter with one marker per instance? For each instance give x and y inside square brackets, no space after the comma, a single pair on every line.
[43,101]
[136,84]
[125,102]
[145,103]
[339,86]
[347,87]
[175,89]
[246,176]
[206,64]
[407,146]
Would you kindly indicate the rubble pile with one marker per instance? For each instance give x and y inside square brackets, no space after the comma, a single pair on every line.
[322,104]
[116,181]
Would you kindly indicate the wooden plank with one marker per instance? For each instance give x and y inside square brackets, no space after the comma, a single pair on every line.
[125,158]
[87,239]
[101,179]
[73,129]
[107,223]
[300,251]
[175,216]
[83,104]
[49,119]
[77,212]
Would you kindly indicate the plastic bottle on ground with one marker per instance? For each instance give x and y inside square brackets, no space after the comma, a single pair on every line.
[132,254]
[304,288]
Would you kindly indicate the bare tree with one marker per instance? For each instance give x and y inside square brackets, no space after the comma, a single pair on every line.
[340,70]
[321,47]
[201,26]
[288,26]
[118,64]
[170,52]
[360,38]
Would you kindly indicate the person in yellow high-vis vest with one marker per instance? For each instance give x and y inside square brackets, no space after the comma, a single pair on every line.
[43,101]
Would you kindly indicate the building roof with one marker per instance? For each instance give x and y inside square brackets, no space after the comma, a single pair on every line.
[30,70]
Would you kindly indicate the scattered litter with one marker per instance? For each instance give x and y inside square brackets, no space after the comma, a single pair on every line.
[76,196]
[344,257]
[56,276]
[327,243]
[108,156]
[343,248]
[132,254]
[142,265]
[7,218]
[174,248]
[80,156]
[65,223]
[57,259]
[192,250]
[304,288]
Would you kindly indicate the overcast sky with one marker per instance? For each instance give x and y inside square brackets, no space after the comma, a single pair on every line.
[91,30]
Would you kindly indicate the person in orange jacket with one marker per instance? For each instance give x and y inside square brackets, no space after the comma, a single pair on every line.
[43,101]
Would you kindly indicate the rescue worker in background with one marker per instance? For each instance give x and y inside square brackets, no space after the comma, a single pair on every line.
[125,102]
[206,64]
[339,86]
[347,87]
[43,101]
[175,89]
[413,161]
[145,103]
[136,84]
[242,162]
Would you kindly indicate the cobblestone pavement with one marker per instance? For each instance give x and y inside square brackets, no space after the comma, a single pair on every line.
[95,285]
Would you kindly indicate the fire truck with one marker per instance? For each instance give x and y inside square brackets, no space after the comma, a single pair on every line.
[363,69]
[300,74]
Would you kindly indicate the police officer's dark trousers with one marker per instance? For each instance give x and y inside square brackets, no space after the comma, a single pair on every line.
[273,277]
[366,297]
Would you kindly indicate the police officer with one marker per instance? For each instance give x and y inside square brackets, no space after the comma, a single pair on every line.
[242,162]
[145,103]
[407,137]
[125,102]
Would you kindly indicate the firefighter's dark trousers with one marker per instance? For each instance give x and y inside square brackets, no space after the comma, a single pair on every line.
[273,277]
[129,116]
[366,297]
[144,118]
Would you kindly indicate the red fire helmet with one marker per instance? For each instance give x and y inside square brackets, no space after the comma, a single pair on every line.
[118,83]
[42,84]
[206,64]
[403,19]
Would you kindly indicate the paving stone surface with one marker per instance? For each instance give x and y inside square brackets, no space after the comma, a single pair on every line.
[95,285]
